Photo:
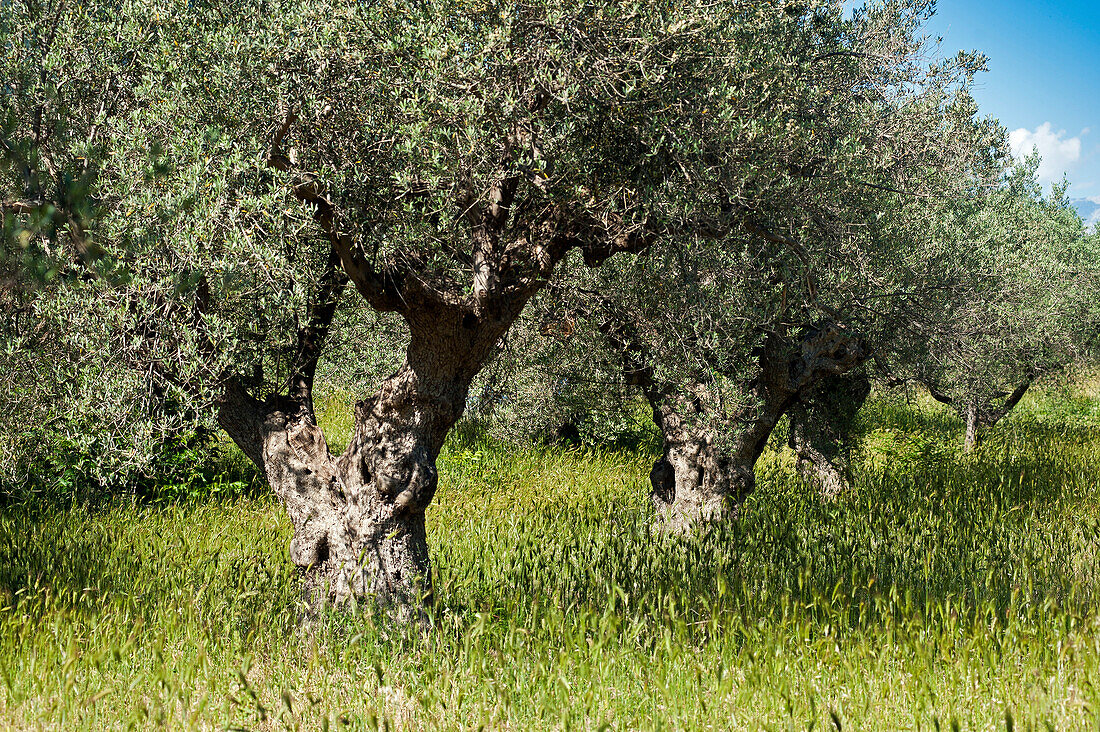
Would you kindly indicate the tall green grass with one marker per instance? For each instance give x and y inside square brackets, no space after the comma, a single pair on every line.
[944,590]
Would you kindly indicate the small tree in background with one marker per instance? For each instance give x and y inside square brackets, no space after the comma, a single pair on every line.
[1030,312]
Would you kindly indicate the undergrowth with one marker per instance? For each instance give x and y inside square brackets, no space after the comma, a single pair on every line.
[944,590]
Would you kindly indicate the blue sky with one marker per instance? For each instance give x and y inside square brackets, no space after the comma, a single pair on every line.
[1043,81]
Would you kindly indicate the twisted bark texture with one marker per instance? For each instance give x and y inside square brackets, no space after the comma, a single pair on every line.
[702,476]
[359,517]
[821,430]
[699,478]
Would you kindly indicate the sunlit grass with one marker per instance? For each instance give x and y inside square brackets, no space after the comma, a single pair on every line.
[944,589]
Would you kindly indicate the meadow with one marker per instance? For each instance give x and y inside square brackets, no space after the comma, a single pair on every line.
[945,591]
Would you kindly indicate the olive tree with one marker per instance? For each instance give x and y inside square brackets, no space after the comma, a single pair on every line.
[1029,313]
[436,160]
[62,90]
[808,252]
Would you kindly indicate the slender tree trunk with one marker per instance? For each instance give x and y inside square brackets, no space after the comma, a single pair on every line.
[972,427]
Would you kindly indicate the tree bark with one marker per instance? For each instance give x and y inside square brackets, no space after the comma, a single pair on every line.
[972,436]
[358,517]
[821,426]
[702,476]
[698,480]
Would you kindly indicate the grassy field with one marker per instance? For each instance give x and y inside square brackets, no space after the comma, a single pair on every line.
[943,592]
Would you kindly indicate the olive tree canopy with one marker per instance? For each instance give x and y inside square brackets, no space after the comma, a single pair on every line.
[438,159]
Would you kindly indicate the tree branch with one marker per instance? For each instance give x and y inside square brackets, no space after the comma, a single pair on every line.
[311,339]
[242,417]
[381,289]
[935,393]
[22,207]
[994,415]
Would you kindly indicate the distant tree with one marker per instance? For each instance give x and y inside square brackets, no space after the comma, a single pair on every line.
[1030,312]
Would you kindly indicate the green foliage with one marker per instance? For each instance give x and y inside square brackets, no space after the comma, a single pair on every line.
[196,467]
[820,146]
[949,591]
[1028,310]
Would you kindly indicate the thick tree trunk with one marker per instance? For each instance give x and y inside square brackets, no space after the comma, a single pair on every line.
[829,476]
[821,425]
[701,478]
[359,517]
[697,479]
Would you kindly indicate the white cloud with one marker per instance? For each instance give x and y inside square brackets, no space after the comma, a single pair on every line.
[1094,220]
[1060,153]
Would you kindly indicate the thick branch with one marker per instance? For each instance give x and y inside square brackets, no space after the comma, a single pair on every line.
[22,207]
[242,417]
[311,339]
[826,350]
[992,416]
[935,393]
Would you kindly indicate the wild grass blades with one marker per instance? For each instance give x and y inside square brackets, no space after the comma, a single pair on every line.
[942,590]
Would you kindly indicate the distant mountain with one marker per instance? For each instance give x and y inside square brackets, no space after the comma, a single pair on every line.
[1088,209]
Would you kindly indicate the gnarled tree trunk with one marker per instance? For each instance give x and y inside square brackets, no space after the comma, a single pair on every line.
[702,477]
[821,424]
[359,517]
[697,478]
